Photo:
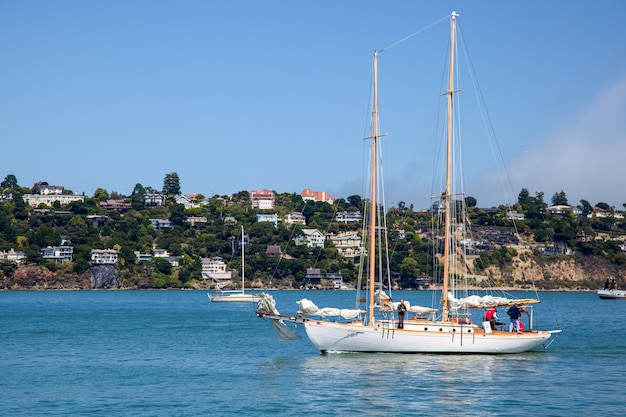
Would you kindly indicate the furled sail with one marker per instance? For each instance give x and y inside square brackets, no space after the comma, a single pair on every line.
[309,308]
[475,301]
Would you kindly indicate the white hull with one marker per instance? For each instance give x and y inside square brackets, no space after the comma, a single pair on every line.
[338,337]
[612,294]
[234,298]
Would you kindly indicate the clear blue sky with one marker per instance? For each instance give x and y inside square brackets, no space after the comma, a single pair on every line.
[240,95]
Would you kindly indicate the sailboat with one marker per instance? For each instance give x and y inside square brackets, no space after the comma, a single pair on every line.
[446,329]
[237,296]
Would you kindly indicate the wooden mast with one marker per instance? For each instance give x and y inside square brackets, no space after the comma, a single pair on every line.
[372,231]
[447,194]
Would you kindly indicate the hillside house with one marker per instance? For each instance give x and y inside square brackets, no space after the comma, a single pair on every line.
[313,238]
[262,200]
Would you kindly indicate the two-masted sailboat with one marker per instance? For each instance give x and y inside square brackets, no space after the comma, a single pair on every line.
[442,330]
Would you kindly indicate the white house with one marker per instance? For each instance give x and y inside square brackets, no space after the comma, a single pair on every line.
[58,254]
[348,216]
[313,238]
[295,217]
[215,270]
[262,200]
[267,218]
[104,256]
[348,244]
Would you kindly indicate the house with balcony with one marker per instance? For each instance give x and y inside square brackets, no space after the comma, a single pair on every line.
[118,205]
[104,256]
[314,278]
[160,224]
[312,238]
[348,217]
[214,269]
[153,200]
[58,254]
[295,217]
[348,245]
[186,201]
[267,218]
[262,200]
[34,200]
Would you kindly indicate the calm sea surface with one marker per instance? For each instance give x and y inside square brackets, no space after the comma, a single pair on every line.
[173,353]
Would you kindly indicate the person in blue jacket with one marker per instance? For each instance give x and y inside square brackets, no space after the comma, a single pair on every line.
[515,315]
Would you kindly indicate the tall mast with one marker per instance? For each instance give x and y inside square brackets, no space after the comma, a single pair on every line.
[372,245]
[447,194]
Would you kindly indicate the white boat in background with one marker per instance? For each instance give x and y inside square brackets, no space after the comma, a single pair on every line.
[237,296]
[610,291]
[612,294]
[447,328]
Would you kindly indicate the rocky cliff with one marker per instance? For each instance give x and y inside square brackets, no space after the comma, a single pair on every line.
[105,276]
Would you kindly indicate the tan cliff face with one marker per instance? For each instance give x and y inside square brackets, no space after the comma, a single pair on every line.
[558,272]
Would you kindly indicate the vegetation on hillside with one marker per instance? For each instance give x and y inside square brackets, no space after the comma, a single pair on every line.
[25,229]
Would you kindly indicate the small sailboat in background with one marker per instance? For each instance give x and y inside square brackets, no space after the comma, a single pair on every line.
[447,328]
[237,296]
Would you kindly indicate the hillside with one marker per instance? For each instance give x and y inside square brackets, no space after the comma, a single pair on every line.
[575,248]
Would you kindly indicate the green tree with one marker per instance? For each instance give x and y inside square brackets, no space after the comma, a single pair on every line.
[559,199]
[177,214]
[138,197]
[10,182]
[171,184]
[78,230]
[356,201]
[100,194]
[20,210]
[470,201]
[585,208]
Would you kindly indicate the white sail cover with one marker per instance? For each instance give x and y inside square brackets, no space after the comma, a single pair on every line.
[309,308]
[383,298]
[475,301]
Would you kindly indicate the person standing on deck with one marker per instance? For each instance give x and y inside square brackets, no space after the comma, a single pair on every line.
[401,311]
[514,314]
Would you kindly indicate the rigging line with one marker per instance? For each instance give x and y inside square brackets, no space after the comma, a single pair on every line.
[494,143]
[486,117]
[414,34]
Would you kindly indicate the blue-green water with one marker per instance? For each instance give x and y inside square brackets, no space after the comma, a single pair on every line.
[173,353]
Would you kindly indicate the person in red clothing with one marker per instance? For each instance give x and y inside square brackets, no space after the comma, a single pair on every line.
[492,317]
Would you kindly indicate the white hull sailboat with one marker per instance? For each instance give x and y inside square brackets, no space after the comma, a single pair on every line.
[237,296]
[612,294]
[447,329]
